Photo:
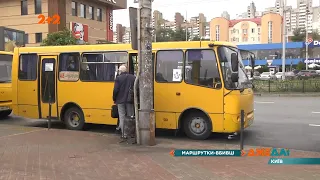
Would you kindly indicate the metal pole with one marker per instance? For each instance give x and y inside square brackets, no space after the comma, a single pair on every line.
[186,26]
[146,112]
[284,29]
[307,9]
[241,130]
[49,119]
[136,84]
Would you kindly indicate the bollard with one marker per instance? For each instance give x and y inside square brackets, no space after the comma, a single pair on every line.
[49,119]
[241,129]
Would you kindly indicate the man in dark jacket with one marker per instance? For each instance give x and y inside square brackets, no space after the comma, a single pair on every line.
[123,83]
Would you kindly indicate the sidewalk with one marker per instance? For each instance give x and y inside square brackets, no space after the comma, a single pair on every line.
[80,155]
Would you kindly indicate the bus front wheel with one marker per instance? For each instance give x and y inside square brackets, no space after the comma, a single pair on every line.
[197,126]
[74,119]
[5,114]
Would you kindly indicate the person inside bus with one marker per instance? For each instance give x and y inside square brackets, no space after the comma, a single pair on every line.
[71,64]
[123,87]
[160,78]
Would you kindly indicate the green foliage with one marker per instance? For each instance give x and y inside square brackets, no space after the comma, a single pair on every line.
[263,69]
[299,35]
[166,35]
[59,38]
[196,38]
[301,66]
[105,42]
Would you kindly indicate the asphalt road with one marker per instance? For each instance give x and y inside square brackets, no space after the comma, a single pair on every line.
[281,122]
[286,122]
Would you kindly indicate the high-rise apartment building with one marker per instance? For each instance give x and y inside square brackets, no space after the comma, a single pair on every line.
[251,10]
[120,30]
[250,13]
[178,20]
[157,19]
[226,15]
[197,26]
[127,35]
[297,17]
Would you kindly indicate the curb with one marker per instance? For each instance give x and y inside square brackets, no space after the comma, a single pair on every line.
[287,95]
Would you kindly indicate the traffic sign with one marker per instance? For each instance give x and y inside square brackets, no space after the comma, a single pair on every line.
[309,41]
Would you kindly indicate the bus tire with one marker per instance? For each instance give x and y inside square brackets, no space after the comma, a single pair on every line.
[197,126]
[5,114]
[74,119]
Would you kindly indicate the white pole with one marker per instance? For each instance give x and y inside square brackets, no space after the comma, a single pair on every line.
[284,39]
[186,26]
[307,58]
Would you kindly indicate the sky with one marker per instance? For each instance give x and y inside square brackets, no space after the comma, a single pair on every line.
[210,8]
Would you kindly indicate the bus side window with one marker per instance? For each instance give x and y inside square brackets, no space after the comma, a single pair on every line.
[167,66]
[69,65]
[101,66]
[28,67]
[201,68]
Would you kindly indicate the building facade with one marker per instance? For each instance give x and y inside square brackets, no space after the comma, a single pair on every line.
[295,53]
[265,29]
[89,20]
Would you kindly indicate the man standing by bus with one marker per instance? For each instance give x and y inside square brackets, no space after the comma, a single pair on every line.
[123,98]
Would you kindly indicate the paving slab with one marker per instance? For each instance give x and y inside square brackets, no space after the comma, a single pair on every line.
[37,153]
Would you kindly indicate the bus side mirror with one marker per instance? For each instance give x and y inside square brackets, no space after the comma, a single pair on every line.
[234,62]
[252,61]
[235,77]
[252,65]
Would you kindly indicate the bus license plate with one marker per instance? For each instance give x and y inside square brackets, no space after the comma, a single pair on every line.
[4,108]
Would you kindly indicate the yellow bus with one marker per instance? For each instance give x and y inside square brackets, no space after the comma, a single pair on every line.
[199,87]
[5,83]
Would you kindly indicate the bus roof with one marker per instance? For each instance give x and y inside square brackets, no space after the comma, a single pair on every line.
[6,52]
[120,47]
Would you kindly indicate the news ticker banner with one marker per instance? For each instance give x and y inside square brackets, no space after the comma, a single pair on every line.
[238,153]
[291,161]
[180,152]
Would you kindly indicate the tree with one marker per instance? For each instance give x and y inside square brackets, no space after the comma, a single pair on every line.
[180,35]
[59,38]
[105,42]
[263,69]
[196,38]
[299,35]
[164,35]
[301,66]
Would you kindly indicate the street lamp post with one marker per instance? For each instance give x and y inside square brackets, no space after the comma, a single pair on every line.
[307,58]
[284,39]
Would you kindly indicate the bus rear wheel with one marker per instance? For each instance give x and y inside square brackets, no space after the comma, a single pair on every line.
[197,126]
[5,114]
[74,119]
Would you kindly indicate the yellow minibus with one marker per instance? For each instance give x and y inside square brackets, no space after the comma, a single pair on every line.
[199,87]
[5,83]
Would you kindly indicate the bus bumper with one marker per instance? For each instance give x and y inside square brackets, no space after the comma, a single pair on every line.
[4,106]
[233,122]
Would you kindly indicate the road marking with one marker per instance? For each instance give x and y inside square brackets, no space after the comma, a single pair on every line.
[314,125]
[313,112]
[17,134]
[264,102]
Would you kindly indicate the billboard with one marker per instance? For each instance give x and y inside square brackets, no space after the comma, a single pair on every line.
[80,32]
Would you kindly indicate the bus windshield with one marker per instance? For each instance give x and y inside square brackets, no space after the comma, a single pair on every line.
[225,63]
[5,68]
